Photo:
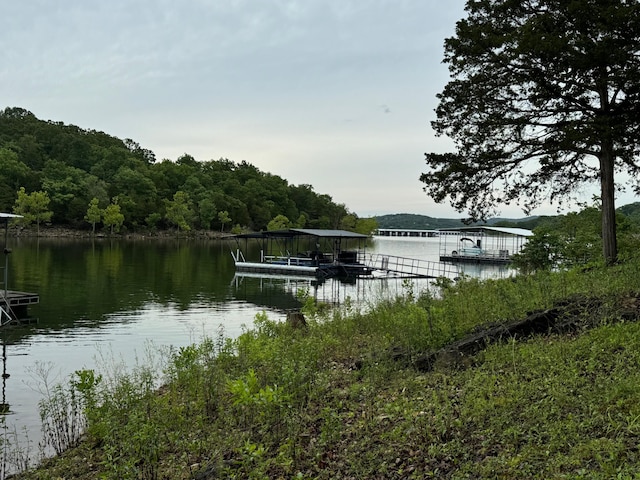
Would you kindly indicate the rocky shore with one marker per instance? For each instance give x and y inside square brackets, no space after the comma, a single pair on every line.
[65,232]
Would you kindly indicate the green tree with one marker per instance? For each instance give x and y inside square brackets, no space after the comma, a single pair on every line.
[223,218]
[544,96]
[366,226]
[207,211]
[573,240]
[541,252]
[34,207]
[152,220]
[279,222]
[66,188]
[302,221]
[179,211]
[112,217]
[348,222]
[94,214]
[136,192]
[14,174]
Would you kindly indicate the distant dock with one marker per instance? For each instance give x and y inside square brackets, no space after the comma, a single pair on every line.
[405,232]
[482,244]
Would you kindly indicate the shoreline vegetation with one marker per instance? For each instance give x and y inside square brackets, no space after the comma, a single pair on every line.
[342,395]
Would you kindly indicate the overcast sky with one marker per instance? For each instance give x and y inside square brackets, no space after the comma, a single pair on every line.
[338,94]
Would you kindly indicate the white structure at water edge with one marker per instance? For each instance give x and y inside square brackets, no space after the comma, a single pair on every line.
[482,244]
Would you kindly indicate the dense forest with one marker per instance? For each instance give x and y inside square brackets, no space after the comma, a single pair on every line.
[88,178]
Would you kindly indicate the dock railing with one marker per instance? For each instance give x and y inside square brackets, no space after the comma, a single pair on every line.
[410,267]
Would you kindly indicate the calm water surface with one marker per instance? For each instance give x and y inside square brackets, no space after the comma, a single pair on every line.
[116,298]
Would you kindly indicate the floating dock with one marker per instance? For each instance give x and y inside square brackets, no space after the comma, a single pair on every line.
[312,260]
[13,307]
[486,258]
[308,252]
[13,300]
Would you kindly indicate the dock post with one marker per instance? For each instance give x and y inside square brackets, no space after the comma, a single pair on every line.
[6,251]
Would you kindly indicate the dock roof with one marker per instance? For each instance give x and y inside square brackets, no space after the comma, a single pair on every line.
[5,217]
[299,232]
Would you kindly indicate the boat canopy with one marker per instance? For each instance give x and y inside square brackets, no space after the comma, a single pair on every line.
[517,232]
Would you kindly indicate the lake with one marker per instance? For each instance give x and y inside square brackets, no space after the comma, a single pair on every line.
[115,298]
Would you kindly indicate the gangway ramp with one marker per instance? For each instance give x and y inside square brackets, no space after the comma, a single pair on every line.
[393,266]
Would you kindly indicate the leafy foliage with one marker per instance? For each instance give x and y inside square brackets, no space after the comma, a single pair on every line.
[574,240]
[34,207]
[180,212]
[113,217]
[280,222]
[94,213]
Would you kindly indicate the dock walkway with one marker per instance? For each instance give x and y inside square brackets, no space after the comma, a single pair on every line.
[391,265]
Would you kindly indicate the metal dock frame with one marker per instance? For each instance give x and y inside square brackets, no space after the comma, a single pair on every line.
[411,267]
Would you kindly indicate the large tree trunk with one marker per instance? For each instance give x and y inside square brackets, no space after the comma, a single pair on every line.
[607,189]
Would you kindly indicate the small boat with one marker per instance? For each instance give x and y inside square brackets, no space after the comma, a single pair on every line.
[468,248]
[482,244]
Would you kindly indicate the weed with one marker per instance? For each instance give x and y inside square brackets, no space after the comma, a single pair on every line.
[61,411]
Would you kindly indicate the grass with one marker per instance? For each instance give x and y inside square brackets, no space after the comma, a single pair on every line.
[330,402]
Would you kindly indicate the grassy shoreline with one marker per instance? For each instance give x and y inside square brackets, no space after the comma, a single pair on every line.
[329,400]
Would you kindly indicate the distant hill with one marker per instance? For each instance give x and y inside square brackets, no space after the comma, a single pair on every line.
[416,222]
[631,211]
[424,222]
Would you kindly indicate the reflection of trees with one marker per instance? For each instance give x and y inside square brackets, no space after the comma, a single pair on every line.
[29,266]
[111,260]
[80,280]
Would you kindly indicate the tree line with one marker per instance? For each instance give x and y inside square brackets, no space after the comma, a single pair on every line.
[85,179]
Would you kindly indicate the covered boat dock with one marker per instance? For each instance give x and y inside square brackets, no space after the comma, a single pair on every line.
[302,251]
[482,244]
